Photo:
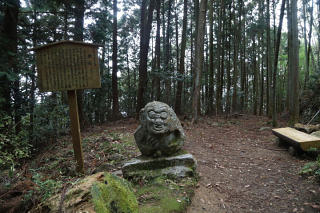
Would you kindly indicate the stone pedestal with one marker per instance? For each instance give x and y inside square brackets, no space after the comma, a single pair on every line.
[177,166]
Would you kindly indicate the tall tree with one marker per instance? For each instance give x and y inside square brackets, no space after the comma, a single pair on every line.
[182,58]
[261,57]
[220,55]
[198,64]
[275,67]
[269,62]
[156,80]
[293,63]
[242,55]
[9,67]
[228,45]
[318,3]
[115,99]
[167,55]
[235,59]
[145,29]
[211,59]
[78,36]
[308,47]
[255,77]
[304,16]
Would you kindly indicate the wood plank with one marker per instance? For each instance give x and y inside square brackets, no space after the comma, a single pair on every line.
[75,130]
[303,140]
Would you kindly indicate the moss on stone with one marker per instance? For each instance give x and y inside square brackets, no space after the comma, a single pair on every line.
[73,194]
[165,195]
[113,195]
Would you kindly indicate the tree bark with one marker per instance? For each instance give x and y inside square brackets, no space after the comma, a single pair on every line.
[255,77]
[115,98]
[144,47]
[78,36]
[228,103]
[242,57]
[293,63]
[269,66]
[307,72]
[261,62]
[198,66]
[182,57]
[318,3]
[220,53]
[275,67]
[156,86]
[235,62]
[168,56]
[261,78]
[13,60]
[211,60]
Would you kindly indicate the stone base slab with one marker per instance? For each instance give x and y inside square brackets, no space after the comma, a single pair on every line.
[178,166]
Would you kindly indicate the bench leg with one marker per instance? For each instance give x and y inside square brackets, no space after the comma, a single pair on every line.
[292,151]
[280,142]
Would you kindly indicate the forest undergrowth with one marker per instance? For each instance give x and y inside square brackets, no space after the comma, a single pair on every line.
[240,168]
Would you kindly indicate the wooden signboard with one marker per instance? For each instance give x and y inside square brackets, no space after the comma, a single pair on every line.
[69,65]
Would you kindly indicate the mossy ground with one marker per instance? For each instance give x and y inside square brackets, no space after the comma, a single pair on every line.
[113,194]
[165,195]
[105,149]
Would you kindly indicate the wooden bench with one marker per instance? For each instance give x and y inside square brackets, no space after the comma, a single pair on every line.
[297,139]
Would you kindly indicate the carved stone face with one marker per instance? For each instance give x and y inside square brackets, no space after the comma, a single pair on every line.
[160,131]
[157,119]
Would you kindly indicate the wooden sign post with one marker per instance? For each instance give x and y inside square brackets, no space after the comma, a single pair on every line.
[75,129]
[68,66]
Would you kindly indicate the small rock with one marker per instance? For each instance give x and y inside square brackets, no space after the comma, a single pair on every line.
[317,134]
[118,173]
[264,128]
[315,206]
[307,128]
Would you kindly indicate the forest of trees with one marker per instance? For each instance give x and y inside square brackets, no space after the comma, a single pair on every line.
[202,57]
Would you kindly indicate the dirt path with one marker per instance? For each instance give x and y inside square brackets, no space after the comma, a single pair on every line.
[242,170]
[240,167]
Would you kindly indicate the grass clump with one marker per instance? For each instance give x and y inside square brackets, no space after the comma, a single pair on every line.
[312,168]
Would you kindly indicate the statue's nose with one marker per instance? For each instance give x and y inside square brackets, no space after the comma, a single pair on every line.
[158,120]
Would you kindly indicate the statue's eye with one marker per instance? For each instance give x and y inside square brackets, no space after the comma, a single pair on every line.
[164,115]
[152,114]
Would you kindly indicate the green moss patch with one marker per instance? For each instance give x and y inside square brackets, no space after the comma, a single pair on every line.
[165,195]
[113,195]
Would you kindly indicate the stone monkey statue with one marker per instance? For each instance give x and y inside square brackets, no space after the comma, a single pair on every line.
[160,132]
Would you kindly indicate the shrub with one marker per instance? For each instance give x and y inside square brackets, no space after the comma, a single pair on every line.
[13,147]
[312,168]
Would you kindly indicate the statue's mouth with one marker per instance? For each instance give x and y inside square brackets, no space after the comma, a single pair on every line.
[157,127]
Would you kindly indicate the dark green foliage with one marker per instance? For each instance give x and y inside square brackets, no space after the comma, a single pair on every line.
[310,100]
[13,146]
[45,187]
[50,121]
[312,169]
